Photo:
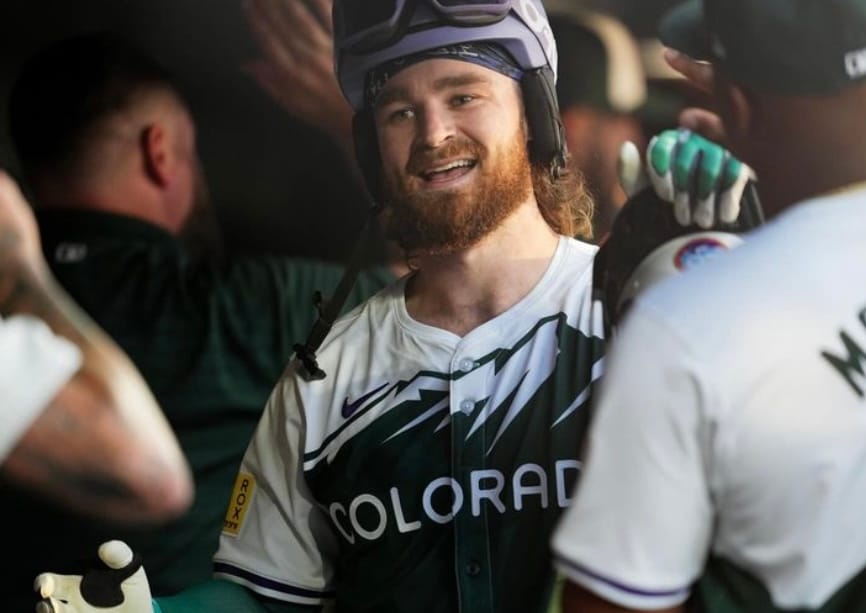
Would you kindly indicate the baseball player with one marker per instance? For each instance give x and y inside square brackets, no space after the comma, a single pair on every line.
[441,448]
[427,470]
[727,462]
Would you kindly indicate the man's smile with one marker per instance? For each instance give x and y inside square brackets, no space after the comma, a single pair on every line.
[447,173]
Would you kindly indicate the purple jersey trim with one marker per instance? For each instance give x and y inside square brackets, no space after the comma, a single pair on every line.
[684,591]
[229,569]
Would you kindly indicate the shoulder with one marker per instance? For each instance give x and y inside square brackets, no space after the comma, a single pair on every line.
[578,252]
[572,263]
[376,315]
[361,348]
[757,290]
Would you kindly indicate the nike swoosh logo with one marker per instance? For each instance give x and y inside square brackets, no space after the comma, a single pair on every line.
[349,408]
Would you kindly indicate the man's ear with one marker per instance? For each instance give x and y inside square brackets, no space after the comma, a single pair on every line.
[156,152]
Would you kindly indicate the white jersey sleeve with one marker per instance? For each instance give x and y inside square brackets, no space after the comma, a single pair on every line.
[34,365]
[276,540]
[644,445]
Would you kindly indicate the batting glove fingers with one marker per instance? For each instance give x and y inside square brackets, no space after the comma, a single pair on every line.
[701,179]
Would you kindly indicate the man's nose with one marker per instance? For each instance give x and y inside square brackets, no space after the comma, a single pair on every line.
[434,128]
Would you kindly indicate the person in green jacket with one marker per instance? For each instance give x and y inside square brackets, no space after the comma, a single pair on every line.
[107,147]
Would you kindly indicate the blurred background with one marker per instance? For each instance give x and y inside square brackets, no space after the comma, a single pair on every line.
[279,186]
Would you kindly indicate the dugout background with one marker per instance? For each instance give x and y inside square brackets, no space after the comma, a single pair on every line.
[278,186]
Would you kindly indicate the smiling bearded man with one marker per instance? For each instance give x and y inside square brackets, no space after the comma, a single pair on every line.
[426,219]
[428,469]
[434,222]
[427,215]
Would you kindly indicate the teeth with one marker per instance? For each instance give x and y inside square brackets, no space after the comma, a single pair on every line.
[451,166]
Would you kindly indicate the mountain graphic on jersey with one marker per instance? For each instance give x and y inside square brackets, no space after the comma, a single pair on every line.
[413,470]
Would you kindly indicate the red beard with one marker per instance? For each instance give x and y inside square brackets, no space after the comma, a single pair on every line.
[446,221]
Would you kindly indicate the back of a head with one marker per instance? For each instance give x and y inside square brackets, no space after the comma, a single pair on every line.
[66,89]
[791,87]
[600,64]
[647,245]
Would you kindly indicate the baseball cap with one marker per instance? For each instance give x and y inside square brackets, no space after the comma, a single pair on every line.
[798,47]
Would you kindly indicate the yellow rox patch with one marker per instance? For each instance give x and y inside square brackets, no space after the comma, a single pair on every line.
[242,494]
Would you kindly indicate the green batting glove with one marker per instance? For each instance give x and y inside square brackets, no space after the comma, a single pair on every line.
[703,180]
[120,586]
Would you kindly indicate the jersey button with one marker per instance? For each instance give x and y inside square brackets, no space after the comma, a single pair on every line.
[473,569]
[466,364]
[467,405]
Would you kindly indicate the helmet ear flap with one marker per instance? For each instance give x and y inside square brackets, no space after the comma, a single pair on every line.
[547,144]
[367,152]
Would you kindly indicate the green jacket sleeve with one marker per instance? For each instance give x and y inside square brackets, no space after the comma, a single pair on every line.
[218,596]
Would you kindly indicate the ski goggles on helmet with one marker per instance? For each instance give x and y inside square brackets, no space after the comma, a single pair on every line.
[364,27]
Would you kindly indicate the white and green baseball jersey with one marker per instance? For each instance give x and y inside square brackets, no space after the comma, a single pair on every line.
[427,471]
[727,459]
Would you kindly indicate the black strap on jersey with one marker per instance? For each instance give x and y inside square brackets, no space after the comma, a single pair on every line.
[367,175]
[329,310]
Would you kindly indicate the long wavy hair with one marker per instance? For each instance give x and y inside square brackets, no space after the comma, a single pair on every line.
[564,201]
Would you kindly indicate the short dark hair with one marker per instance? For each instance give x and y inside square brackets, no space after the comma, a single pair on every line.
[67,87]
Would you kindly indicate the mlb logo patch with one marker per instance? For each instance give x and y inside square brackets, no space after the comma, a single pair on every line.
[698,251]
